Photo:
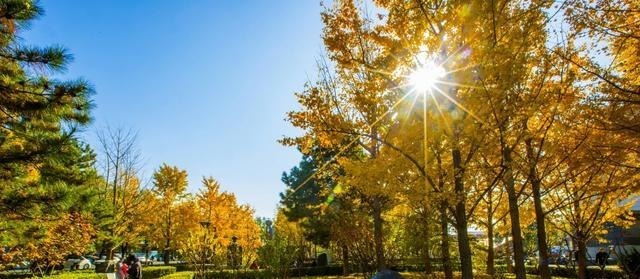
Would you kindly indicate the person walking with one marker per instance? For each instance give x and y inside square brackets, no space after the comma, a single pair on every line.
[123,270]
[135,268]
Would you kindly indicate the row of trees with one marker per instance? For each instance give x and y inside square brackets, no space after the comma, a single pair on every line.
[506,116]
[165,217]
[56,199]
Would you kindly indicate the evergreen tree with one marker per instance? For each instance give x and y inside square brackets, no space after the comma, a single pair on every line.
[303,199]
[46,173]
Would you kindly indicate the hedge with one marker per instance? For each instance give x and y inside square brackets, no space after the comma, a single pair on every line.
[63,275]
[105,266]
[440,275]
[330,270]
[592,272]
[78,275]
[570,272]
[183,267]
[152,272]
[15,275]
[333,270]
[179,275]
[230,274]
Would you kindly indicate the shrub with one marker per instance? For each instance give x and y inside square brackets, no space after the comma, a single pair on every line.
[77,275]
[63,275]
[230,274]
[333,270]
[323,259]
[570,272]
[157,271]
[502,268]
[15,275]
[105,266]
[596,272]
[406,268]
[630,262]
[183,267]
[330,270]
[440,275]
[179,275]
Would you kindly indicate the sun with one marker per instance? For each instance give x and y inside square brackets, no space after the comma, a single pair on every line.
[425,78]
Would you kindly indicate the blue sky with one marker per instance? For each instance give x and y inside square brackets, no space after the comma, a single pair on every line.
[205,83]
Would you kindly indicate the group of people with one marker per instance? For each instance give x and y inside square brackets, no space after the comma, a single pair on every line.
[129,268]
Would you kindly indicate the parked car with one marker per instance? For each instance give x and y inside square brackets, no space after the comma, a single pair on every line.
[141,258]
[22,265]
[104,259]
[77,262]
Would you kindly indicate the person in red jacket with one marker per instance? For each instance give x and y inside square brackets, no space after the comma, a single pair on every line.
[123,270]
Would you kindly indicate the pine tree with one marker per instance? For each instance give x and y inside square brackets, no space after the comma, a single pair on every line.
[46,172]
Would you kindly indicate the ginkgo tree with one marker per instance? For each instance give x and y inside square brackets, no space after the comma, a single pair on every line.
[474,99]
[348,104]
[217,230]
[170,184]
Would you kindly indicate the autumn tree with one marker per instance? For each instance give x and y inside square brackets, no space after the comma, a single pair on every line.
[122,189]
[71,235]
[606,33]
[169,184]
[226,220]
[504,89]
[593,193]
[280,249]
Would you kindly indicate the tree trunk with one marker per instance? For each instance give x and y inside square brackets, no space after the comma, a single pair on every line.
[166,254]
[446,255]
[581,255]
[514,214]
[491,270]
[377,234]
[427,250]
[110,247]
[508,254]
[167,247]
[103,250]
[123,249]
[543,249]
[345,260]
[464,247]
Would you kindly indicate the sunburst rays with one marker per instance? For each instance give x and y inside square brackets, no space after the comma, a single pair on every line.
[429,78]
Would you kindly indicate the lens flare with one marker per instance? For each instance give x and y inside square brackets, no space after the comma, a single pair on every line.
[426,77]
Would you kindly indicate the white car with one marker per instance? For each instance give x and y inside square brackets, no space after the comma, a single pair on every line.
[77,262]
